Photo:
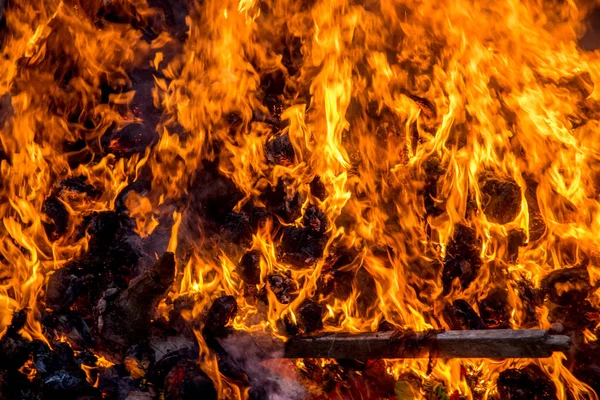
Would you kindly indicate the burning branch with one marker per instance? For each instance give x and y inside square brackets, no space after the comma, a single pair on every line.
[493,343]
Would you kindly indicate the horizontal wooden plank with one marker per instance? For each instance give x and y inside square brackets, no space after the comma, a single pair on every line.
[498,343]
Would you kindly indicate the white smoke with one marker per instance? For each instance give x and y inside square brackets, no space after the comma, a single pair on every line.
[248,354]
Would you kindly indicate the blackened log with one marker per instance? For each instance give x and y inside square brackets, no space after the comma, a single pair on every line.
[116,383]
[537,225]
[315,220]
[516,239]
[530,299]
[64,286]
[434,170]
[133,138]
[213,196]
[282,202]
[72,326]
[127,318]
[236,228]
[59,372]
[493,343]
[301,247]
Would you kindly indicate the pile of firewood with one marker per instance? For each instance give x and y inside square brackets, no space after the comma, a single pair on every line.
[107,339]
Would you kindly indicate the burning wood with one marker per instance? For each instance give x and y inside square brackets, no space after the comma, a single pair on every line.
[495,343]
[204,198]
[125,317]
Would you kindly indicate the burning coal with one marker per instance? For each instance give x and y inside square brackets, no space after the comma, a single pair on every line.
[197,194]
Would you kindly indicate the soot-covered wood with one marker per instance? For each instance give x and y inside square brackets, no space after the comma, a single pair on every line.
[125,317]
[494,343]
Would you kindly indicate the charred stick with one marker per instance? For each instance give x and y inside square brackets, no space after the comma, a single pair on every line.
[493,343]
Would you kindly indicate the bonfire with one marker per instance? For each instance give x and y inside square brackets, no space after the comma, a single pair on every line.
[300,199]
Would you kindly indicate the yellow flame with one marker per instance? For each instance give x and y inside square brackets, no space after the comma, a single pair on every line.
[420,119]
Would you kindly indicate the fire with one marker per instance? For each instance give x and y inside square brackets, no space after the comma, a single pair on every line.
[383,160]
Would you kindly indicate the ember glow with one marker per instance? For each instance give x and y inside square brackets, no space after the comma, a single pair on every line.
[315,166]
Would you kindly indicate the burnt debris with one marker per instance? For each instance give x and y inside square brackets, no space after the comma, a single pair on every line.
[280,150]
[249,267]
[500,198]
[460,315]
[124,318]
[282,200]
[220,313]
[462,259]
[303,246]
[318,189]
[567,286]
[311,316]
[283,287]
[528,383]
[494,310]
[120,317]
[186,381]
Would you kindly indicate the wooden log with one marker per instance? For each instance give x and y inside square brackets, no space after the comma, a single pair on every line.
[126,319]
[493,343]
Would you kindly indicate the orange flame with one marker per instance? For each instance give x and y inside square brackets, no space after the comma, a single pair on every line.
[439,132]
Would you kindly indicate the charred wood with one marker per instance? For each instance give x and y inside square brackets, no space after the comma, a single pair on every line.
[301,247]
[530,300]
[529,383]
[126,318]
[311,316]
[462,259]
[433,171]
[57,215]
[15,349]
[516,239]
[186,381]
[537,226]
[213,195]
[63,288]
[567,286]
[493,343]
[283,287]
[279,150]
[460,315]
[236,228]
[501,199]
[249,267]
[285,204]
[318,189]
[220,313]
[494,310]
